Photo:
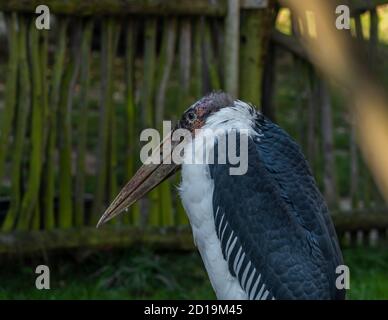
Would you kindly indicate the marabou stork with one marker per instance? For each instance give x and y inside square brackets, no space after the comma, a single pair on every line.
[266,234]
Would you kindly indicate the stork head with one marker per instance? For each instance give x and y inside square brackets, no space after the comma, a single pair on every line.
[196,115]
[151,175]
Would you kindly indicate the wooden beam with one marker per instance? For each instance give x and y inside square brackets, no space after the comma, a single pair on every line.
[289,43]
[90,237]
[363,5]
[120,7]
[361,221]
[173,238]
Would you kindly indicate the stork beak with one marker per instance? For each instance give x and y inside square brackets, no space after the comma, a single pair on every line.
[145,179]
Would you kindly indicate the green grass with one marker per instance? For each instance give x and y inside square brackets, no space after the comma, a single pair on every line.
[368,272]
[148,275]
[118,275]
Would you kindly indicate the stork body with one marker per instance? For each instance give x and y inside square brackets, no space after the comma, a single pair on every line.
[197,190]
[265,234]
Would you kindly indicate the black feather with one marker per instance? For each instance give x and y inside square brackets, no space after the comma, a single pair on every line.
[279,218]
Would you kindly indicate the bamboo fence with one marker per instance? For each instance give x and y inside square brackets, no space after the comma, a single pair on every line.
[77,96]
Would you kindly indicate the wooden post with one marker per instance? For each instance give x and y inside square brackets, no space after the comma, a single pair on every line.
[231,48]
[328,148]
[269,73]
[312,118]
[212,68]
[252,46]
[354,172]
[358,27]
[374,35]
[267,105]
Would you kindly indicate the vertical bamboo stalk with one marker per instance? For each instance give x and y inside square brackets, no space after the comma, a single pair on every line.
[358,28]
[10,91]
[105,174]
[164,71]
[269,73]
[183,101]
[37,215]
[64,148]
[299,67]
[134,216]
[217,28]
[353,154]
[83,123]
[268,107]
[99,197]
[113,37]
[149,71]
[45,114]
[147,103]
[185,54]
[65,214]
[197,82]
[215,82]
[30,198]
[232,40]
[130,99]
[312,137]
[163,74]
[373,36]
[21,126]
[367,185]
[165,204]
[44,67]
[365,173]
[328,148]
[56,81]
[300,101]
[370,187]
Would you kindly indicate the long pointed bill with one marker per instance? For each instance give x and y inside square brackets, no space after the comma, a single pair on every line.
[144,180]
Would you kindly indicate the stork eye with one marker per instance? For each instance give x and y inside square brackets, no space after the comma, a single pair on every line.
[191,116]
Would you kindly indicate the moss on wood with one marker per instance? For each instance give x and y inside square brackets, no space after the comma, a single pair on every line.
[121,7]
